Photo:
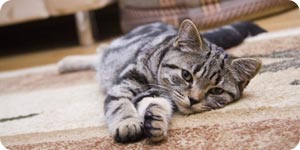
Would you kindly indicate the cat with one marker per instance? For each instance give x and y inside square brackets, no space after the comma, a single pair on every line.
[156,69]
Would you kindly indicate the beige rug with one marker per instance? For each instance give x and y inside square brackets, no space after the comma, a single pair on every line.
[40,109]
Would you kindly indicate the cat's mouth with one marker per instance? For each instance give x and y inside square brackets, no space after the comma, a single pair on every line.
[184,105]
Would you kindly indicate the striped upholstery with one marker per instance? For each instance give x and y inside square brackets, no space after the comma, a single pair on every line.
[167,3]
[205,13]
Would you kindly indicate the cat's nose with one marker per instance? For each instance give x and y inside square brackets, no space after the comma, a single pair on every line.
[193,101]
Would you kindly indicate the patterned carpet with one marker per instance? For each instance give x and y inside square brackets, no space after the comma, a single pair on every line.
[40,109]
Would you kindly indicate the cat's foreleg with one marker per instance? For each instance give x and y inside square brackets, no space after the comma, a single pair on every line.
[124,122]
[156,113]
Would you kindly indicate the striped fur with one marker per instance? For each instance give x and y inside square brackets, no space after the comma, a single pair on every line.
[156,69]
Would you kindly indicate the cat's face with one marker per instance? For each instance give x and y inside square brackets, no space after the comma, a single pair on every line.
[199,76]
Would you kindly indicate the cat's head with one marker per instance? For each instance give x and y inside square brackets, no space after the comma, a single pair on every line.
[200,75]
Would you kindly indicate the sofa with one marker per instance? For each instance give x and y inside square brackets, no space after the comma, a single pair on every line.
[205,13]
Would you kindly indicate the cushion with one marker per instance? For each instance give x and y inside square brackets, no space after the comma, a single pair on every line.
[166,3]
[205,14]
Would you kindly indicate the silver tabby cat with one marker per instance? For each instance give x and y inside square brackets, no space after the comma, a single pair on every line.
[156,69]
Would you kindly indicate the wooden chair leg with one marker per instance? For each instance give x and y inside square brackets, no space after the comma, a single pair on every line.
[84,28]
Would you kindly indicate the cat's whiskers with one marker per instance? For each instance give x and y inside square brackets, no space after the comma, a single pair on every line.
[177,93]
[178,97]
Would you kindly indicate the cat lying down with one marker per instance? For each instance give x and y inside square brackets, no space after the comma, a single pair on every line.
[156,69]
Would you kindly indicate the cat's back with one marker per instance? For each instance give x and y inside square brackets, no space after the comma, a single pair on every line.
[124,50]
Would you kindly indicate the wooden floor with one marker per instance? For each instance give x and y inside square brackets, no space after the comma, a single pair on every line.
[290,19]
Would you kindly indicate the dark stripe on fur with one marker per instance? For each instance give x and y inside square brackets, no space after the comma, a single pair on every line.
[197,68]
[126,117]
[208,55]
[218,79]
[117,109]
[172,66]
[114,98]
[212,75]
[161,56]
[152,105]
[133,92]
[204,71]
[134,75]
[110,98]
[222,64]
[141,96]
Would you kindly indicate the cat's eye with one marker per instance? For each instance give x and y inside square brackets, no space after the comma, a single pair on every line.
[216,91]
[186,76]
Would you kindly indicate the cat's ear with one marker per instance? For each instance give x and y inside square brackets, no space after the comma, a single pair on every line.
[188,35]
[244,69]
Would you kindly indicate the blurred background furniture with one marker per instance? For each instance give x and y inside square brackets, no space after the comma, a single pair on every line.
[20,11]
[205,13]
[38,32]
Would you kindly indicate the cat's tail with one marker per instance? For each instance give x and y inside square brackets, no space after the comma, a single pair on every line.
[75,63]
[231,35]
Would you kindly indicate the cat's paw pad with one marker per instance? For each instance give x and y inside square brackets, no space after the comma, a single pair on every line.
[129,130]
[155,126]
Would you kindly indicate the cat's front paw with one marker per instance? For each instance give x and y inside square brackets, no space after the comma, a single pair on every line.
[129,130]
[155,124]
[215,103]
